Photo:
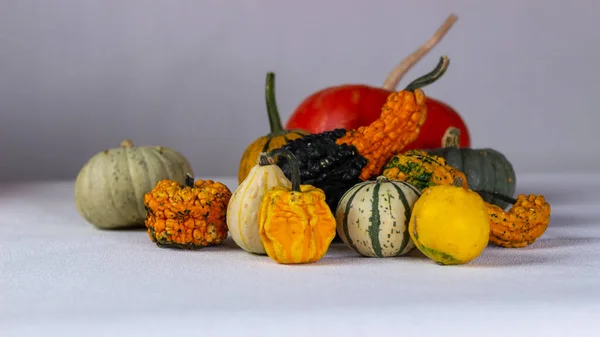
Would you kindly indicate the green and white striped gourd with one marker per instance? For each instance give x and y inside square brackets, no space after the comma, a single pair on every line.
[242,211]
[373,217]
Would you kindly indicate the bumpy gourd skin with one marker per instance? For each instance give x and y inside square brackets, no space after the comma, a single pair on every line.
[525,222]
[399,125]
[323,163]
[423,170]
[187,217]
[296,226]
[339,159]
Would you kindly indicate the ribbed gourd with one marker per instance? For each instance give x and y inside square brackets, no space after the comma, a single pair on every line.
[295,224]
[242,212]
[486,169]
[110,187]
[373,217]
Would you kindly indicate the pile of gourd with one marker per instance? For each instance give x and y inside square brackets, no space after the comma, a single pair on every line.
[449,202]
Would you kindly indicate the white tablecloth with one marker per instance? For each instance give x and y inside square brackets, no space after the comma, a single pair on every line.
[62,277]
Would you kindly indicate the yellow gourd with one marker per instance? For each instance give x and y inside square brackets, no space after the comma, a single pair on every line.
[450,224]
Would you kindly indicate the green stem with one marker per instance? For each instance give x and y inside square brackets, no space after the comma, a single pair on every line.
[189,180]
[272,111]
[430,77]
[293,165]
[499,196]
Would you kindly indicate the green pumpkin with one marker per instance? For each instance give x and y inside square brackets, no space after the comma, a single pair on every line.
[110,187]
[486,169]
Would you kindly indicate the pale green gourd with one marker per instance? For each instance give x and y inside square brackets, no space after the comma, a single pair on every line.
[110,187]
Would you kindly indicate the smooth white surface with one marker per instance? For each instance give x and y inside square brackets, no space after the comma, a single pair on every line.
[79,76]
[62,277]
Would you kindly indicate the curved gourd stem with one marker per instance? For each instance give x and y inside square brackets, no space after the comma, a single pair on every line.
[391,82]
[499,196]
[272,111]
[430,77]
[189,180]
[293,165]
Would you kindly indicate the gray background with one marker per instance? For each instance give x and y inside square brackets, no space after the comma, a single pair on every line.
[79,76]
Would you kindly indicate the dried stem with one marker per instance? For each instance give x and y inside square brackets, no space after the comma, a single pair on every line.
[391,82]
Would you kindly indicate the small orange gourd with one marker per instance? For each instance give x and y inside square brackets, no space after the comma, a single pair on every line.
[524,223]
[188,216]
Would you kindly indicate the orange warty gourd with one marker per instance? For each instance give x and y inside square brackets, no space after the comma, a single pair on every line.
[189,216]
[524,223]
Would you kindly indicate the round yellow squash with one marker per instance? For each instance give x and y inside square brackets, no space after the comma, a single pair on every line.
[450,224]
[242,212]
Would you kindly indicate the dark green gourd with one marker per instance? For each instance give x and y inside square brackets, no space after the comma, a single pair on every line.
[486,169]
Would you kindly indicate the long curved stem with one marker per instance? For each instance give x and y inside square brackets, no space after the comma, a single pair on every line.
[391,82]
[430,77]
[291,158]
[272,111]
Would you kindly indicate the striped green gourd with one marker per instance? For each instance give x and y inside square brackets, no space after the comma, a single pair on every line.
[373,216]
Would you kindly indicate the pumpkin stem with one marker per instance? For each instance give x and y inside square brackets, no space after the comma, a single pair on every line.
[126,144]
[430,77]
[264,159]
[391,82]
[457,182]
[272,111]
[381,179]
[451,137]
[295,168]
[189,180]
[499,196]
